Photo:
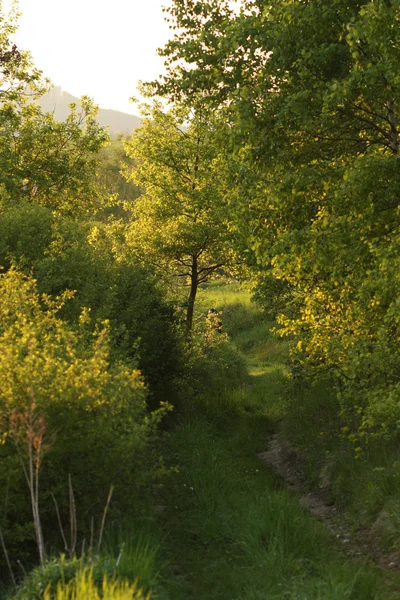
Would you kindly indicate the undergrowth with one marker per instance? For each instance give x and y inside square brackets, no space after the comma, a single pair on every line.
[365,485]
[232,530]
[224,526]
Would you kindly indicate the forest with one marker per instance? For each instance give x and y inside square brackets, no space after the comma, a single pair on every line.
[200,322]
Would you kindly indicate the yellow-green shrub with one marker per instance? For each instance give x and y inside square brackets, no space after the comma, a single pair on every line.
[83,588]
[96,425]
[90,257]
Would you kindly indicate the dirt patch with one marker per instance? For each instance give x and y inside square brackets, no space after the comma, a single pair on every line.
[357,544]
[288,464]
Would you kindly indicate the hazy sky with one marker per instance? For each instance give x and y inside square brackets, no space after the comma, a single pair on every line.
[95,47]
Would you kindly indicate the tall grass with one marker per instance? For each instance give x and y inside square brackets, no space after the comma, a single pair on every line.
[84,588]
[128,554]
[366,486]
[233,531]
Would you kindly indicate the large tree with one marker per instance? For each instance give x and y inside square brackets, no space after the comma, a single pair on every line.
[310,92]
[16,67]
[51,163]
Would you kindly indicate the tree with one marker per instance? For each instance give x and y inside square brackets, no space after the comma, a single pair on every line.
[310,92]
[179,223]
[16,68]
[43,161]
[112,161]
[49,163]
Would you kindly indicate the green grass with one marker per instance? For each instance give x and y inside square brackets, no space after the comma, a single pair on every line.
[85,588]
[366,487]
[227,528]
[235,533]
[232,531]
[221,294]
[130,553]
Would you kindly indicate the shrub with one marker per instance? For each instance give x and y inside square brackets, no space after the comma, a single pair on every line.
[65,254]
[68,409]
[214,365]
[62,579]
[84,589]
[25,233]
[71,580]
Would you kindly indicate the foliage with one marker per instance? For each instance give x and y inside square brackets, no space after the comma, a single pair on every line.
[89,257]
[93,410]
[43,161]
[73,409]
[309,90]
[62,576]
[25,234]
[179,223]
[214,365]
[84,588]
[112,161]
[55,571]
[16,67]
[47,162]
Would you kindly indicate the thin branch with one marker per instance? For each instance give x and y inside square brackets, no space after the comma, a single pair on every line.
[209,269]
[369,112]
[91,538]
[72,516]
[7,560]
[59,523]
[104,517]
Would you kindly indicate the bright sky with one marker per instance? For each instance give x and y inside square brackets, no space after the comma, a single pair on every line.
[101,48]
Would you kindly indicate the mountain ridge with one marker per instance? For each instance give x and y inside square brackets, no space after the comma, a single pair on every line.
[57,101]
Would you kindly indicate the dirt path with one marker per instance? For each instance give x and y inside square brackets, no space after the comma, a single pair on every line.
[356,544]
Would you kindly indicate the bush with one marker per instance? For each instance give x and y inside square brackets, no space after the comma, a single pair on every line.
[67,409]
[25,233]
[72,580]
[214,365]
[62,579]
[64,254]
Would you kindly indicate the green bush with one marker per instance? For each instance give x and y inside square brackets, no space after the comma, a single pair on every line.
[64,254]
[25,233]
[67,409]
[72,580]
[214,366]
[55,571]
[127,553]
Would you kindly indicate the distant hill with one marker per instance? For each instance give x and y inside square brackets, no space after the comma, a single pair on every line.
[57,101]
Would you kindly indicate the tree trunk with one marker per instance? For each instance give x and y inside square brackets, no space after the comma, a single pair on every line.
[192,295]
[393,135]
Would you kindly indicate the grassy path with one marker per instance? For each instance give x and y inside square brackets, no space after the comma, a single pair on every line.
[232,531]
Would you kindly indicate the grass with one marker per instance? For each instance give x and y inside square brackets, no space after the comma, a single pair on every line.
[129,554]
[84,588]
[366,486]
[227,528]
[232,530]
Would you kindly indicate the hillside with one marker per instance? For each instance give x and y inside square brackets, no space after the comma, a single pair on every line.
[58,101]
